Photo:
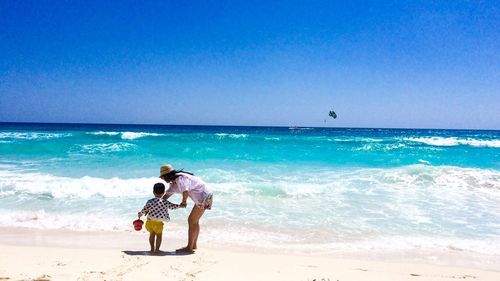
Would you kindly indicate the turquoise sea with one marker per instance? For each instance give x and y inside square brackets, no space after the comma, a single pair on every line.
[334,189]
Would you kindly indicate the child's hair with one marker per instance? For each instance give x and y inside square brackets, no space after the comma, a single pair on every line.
[159,188]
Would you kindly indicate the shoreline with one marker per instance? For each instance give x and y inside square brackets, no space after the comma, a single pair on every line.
[74,255]
[137,241]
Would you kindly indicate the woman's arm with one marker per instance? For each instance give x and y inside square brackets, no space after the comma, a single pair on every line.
[170,191]
[185,195]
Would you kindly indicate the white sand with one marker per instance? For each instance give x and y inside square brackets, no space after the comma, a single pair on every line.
[56,255]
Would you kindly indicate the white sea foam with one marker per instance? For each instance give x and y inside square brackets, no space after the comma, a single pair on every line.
[251,236]
[99,133]
[238,136]
[18,182]
[136,135]
[412,177]
[411,243]
[86,221]
[232,136]
[105,147]
[405,208]
[43,220]
[358,139]
[246,235]
[379,147]
[32,135]
[125,135]
[453,141]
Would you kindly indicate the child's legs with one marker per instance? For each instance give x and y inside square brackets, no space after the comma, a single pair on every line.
[152,241]
[155,229]
[158,241]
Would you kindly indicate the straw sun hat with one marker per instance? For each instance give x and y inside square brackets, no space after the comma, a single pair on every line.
[165,169]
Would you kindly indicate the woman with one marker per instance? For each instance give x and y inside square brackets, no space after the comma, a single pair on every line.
[190,186]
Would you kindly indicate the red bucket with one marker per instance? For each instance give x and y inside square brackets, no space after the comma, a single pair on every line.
[138,224]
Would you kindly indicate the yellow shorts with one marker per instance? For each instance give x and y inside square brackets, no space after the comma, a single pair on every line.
[154,226]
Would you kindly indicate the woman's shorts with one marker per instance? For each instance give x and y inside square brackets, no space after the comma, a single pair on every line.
[155,227]
[207,203]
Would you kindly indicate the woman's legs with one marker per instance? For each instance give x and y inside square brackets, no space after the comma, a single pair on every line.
[194,228]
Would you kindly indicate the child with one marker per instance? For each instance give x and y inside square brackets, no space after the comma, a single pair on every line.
[157,211]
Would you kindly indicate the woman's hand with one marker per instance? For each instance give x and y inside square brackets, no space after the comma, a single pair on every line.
[183,204]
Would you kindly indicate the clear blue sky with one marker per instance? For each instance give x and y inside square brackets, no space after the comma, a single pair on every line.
[423,64]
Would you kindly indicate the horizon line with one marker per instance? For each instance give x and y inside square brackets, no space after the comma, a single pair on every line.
[250,126]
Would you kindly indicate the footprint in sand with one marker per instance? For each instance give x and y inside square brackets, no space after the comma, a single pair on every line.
[361,269]
[174,273]
[44,277]
[453,276]
[464,277]
[128,265]
[91,275]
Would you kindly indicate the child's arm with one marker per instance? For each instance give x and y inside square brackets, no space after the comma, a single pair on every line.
[144,210]
[171,205]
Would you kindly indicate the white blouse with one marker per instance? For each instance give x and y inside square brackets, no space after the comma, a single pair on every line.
[195,187]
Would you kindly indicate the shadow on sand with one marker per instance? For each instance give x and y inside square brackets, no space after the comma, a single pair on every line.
[161,253]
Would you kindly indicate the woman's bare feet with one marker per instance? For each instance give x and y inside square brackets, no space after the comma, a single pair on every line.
[184,250]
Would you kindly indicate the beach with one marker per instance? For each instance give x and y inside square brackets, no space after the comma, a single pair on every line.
[29,254]
[305,140]
[289,203]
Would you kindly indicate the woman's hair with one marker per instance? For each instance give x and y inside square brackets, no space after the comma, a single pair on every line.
[175,174]
[182,171]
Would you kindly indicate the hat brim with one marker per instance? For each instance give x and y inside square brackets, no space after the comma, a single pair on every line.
[164,174]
